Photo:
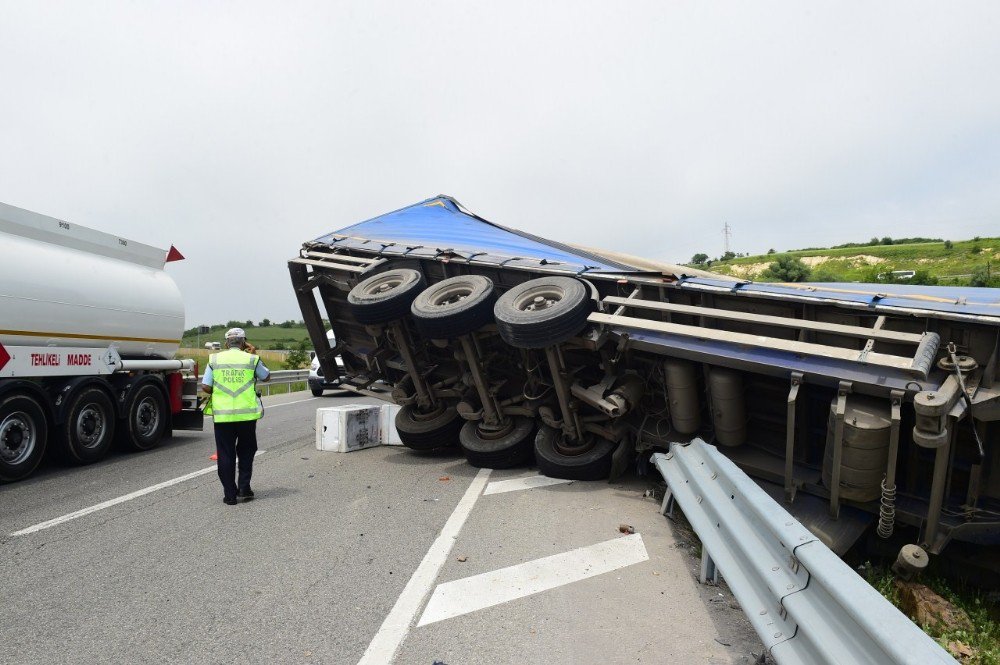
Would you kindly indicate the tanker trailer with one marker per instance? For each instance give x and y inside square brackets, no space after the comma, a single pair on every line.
[89,325]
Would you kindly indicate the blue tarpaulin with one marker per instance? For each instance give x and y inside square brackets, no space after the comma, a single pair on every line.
[440,227]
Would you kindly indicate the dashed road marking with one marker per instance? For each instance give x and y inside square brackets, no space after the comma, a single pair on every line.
[516,484]
[397,624]
[478,592]
[56,521]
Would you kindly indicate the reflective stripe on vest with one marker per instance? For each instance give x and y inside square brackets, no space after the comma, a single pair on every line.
[233,377]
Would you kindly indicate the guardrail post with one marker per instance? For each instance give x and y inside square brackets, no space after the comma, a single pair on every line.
[709,572]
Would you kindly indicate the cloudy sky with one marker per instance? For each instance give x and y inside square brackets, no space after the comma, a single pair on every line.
[236,130]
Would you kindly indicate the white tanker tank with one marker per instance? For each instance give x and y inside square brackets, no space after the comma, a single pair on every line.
[69,286]
[89,325]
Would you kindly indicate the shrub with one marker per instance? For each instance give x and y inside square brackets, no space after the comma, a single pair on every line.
[948,244]
[699,259]
[787,269]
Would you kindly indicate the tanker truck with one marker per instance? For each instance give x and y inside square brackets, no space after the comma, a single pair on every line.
[89,325]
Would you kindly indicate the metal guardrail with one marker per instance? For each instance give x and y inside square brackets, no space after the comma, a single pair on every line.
[283,377]
[280,378]
[806,604]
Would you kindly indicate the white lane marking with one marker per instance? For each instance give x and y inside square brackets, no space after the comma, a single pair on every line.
[478,592]
[56,521]
[298,401]
[397,624]
[515,484]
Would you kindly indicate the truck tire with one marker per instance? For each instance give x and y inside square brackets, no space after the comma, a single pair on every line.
[504,452]
[542,312]
[454,307]
[386,296]
[145,421]
[594,464]
[89,430]
[23,434]
[420,432]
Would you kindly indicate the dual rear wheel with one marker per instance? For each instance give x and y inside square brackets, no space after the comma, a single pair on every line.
[533,315]
[89,430]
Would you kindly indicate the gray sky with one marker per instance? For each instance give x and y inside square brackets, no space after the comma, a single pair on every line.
[236,130]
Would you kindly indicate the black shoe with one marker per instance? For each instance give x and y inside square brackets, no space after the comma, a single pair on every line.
[246,495]
[229,500]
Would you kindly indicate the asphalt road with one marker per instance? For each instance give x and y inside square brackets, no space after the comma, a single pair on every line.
[310,570]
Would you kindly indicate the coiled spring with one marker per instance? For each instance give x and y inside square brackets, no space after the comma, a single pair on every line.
[887,511]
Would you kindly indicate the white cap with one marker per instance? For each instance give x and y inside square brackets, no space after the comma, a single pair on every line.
[236,333]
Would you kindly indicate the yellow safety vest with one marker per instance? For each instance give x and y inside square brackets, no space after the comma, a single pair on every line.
[233,397]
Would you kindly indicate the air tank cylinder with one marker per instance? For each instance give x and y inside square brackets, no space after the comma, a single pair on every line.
[867,427]
[682,392]
[729,412]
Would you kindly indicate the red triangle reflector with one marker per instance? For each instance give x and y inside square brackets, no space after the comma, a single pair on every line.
[4,356]
[174,255]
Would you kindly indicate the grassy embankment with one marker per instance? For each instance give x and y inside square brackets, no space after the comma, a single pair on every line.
[950,266]
[984,638]
[263,337]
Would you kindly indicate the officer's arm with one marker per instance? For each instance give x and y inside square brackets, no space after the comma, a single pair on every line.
[206,381]
[262,373]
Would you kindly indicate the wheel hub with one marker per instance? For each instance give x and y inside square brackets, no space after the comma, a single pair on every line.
[450,296]
[571,449]
[90,426]
[491,432]
[147,417]
[17,438]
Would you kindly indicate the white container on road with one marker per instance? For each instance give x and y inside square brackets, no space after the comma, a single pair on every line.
[347,427]
[390,436]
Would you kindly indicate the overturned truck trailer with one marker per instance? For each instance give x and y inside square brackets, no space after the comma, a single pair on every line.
[879,403]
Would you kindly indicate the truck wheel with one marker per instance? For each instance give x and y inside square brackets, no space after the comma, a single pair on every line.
[89,430]
[386,296]
[453,307]
[23,433]
[542,312]
[146,419]
[594,463]
[504,452]
[426,432]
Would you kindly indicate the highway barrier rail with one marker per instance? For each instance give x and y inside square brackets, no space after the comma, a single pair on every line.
[282,378]
[805,603]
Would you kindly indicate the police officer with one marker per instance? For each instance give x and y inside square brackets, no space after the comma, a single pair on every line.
[230,382]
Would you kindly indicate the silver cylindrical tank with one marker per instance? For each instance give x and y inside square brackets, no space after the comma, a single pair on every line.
[682,391]
[867,427]
[729,412]
[52,295]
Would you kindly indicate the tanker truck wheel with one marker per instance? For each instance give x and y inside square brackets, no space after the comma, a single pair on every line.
[504,451]
[556,459]
[543,312]
[454,307]
[23,433]
[428,431]
[386,296]
[145,420]
[89,430]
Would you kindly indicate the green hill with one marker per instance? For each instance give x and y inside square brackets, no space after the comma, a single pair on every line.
[287,335]
[961,263]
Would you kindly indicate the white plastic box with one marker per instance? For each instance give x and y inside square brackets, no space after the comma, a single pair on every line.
[390,437]
[349,427]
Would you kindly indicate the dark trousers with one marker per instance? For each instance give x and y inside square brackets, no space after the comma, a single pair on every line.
[232,441]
